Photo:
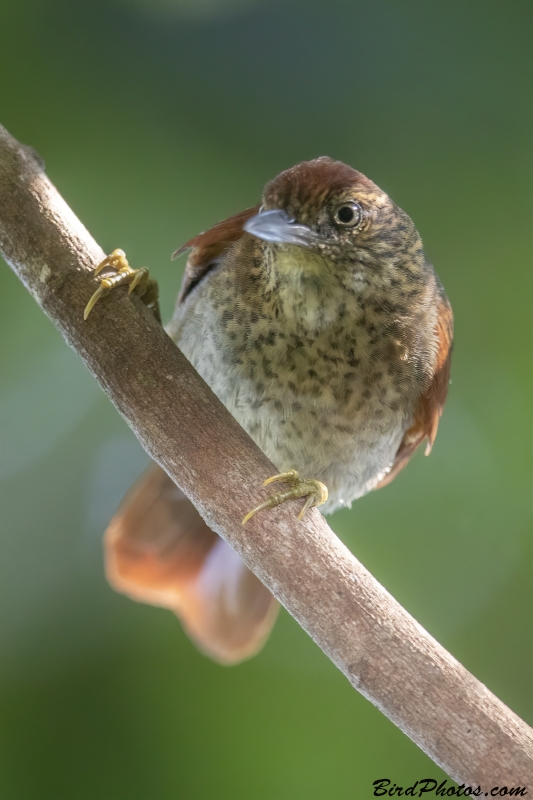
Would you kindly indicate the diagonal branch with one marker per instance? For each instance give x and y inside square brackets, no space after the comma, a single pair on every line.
[383,652]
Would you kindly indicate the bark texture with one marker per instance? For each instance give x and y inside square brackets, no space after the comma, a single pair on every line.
[384,653]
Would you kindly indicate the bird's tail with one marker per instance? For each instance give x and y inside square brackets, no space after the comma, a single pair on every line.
[159,550]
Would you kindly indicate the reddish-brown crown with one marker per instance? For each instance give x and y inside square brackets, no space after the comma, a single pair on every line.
[310,183]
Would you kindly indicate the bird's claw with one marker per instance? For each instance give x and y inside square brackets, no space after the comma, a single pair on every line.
[314,491]
[138,279]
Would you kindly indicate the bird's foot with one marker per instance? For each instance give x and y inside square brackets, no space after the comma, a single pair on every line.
[315,492]
[139,281]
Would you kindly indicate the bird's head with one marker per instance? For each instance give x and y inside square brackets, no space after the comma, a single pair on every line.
[324,220]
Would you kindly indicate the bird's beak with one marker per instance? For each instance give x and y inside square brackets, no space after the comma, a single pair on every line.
[277,226]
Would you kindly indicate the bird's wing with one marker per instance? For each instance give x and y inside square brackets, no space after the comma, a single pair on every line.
[159,550]
[207,248]
[431,403]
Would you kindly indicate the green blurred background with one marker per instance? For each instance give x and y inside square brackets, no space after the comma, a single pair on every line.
[157,118]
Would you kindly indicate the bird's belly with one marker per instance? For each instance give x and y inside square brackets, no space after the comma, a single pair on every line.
[344,435]
[349,455]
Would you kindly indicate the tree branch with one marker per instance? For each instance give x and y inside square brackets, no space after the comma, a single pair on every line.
[383,652]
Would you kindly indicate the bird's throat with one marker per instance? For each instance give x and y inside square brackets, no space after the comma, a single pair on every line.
[304,285]
[297,263]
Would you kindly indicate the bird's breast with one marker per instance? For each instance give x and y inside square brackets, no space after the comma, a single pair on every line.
[333,404]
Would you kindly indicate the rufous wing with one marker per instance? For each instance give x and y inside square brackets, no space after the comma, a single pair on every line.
[431,403]
[207,248]
[159,550]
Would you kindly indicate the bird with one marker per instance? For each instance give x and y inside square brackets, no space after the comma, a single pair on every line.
[317,319]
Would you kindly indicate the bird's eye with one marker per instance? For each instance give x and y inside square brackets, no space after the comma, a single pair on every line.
[348,215]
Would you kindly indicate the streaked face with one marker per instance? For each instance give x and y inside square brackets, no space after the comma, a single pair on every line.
[331,210]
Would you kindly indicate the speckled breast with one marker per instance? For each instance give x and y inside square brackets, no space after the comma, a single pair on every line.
[313,401]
